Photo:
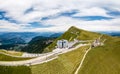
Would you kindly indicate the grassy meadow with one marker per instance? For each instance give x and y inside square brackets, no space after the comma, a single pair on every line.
[4,57]
[64,64]
[15,70]
[14,53]
[103,59]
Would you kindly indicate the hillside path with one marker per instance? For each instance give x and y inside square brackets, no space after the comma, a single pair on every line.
[80,65]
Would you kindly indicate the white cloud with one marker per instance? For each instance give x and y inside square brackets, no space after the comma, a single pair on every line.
[97,25]
[43,8]
[8,26]
[95,11]
[15,9]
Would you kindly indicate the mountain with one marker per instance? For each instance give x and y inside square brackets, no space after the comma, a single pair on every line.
[26,36]
[99,60]
[74,33]
[56,35]
[10,40]
[18,40]
[112,33]
[37,44]
[9,43]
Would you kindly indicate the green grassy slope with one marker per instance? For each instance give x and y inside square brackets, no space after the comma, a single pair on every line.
[104,59]
[64,64]
[100,60]
[73,33]
[14,53]
[15,70]
[4,57]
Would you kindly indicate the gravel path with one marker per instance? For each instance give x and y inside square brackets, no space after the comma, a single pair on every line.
[80,65]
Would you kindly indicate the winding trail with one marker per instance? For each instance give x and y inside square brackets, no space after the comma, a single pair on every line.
[80,65]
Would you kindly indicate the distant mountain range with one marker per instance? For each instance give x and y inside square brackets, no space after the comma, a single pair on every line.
[37,44]
[111,33]
[24,36]
[17,40]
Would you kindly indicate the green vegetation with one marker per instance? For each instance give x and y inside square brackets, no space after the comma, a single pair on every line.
[73,33]
[64,64]
[4,57]
[100,60]
[14,53]
[38,44]
[15,70]
[82,43]
[103,59]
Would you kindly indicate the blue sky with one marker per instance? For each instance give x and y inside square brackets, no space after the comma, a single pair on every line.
[58,15]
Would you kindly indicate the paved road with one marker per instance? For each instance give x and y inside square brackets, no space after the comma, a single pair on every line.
[31,61]
[41,59]
[34,55]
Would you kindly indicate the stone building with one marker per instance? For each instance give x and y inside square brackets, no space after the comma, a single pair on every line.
[96,43]
[65,44]
[62,43]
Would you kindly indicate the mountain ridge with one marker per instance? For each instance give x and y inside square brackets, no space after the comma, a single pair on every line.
[74,33]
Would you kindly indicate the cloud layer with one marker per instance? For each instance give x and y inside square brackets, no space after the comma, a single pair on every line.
[58,15]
